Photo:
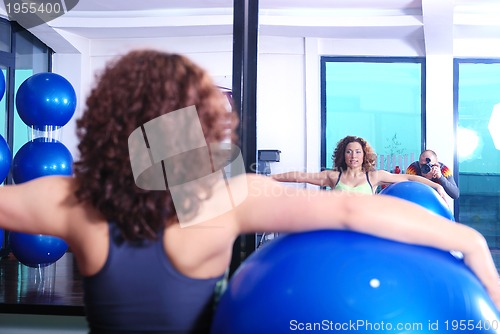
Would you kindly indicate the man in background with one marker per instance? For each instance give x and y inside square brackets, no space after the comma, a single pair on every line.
[429,167]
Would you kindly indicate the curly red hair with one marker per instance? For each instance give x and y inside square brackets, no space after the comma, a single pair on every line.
[131,91]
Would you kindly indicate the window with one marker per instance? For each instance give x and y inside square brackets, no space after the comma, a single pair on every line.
[21,55]
[477,118]
[32,56]
[379,99]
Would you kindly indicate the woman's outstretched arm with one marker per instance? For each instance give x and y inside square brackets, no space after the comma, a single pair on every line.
[275,208]
[382,176]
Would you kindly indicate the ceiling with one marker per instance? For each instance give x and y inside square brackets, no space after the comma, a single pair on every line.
[437,21]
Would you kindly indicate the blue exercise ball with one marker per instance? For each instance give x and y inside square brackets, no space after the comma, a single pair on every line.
[420,194]
[342,281]
[2,236]
[2,85]
[36,250]
[46,99]
[41,157]
[5,159]
[38,158]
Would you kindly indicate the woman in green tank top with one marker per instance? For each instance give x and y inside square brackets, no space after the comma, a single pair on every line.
[353,171]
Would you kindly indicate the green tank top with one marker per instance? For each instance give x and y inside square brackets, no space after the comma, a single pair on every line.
[365,188]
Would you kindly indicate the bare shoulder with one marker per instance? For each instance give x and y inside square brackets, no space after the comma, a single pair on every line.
[40,206]
[54,197]
[57,191]
[57,185]
[43,191]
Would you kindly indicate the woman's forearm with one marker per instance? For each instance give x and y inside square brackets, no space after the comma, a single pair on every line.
[423,180]
[318,179]
[438,187]
[286,177]
[424,228]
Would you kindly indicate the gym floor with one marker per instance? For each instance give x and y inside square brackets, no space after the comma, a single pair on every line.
[53,290]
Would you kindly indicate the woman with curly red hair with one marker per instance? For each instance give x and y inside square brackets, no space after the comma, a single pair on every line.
[353,171]
[151,215]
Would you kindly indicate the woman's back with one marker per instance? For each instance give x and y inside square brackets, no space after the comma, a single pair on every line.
[139,289]
[165,285]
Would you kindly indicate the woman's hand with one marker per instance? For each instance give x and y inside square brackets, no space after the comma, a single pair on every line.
[479,259]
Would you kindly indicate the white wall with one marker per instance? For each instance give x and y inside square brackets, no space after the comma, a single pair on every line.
[281,100]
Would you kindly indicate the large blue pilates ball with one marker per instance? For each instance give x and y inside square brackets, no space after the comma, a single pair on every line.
[41,157]
[36,250]
[5,159]
[46,99]
[330,280]
[420,194]
[2,236]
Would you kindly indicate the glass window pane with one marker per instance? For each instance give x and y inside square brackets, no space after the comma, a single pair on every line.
[378,100]
[3,117]
[32,56]
[478,147]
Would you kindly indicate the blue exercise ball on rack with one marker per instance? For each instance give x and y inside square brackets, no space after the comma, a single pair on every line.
[420,194]
[46,99]
[38,158]
[41,157]
[5,159]
[2,84]
[5,152]
[36,250]
[335,278]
